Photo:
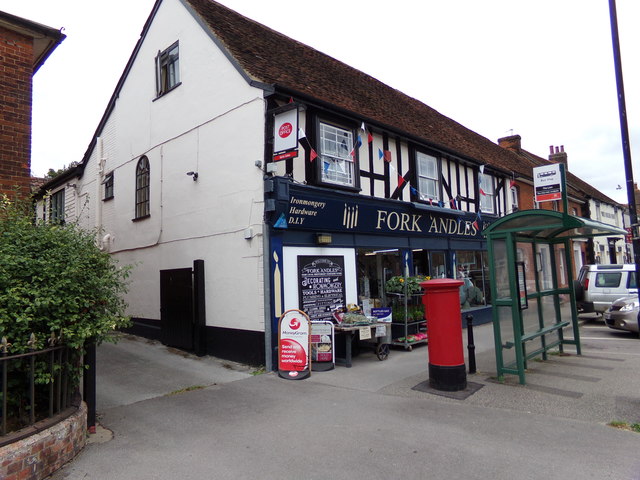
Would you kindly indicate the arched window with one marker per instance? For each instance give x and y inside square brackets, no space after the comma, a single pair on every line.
[142,188]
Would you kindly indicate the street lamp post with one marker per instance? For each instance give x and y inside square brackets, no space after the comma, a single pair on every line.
[624,130]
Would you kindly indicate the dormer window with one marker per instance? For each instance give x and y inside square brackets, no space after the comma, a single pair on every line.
[167,70]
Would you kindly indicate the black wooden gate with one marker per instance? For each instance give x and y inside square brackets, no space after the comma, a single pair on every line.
[182,313]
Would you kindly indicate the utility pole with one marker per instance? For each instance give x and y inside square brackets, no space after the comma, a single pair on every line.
[624,130]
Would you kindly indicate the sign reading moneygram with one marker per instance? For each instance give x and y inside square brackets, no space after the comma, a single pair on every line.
[547,183]
[294,336]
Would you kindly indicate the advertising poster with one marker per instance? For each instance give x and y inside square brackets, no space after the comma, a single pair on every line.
[321,287]
[322,346]
[294,330]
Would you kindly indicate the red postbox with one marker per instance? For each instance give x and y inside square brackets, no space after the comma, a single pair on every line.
[441,301]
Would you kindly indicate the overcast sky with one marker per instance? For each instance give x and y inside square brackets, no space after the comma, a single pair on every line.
[542,69]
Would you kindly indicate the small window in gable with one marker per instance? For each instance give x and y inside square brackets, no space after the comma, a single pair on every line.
[142,188]
[427,168]
[487,194]
[167,70]
[108,186]
[336,146]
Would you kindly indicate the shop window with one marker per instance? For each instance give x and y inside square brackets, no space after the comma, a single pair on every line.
[427,167]
[142,188]
[472,268]
[487,194]
[167,70]
[336,146]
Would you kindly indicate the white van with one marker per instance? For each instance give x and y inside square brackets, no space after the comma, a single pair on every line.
[598,286]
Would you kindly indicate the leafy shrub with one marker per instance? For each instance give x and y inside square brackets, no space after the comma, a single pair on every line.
[55,280]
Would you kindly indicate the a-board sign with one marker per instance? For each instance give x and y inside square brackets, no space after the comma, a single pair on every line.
[547,183]
[294,335]
[323,355]
[321,287]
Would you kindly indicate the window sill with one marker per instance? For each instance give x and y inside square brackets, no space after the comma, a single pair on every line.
[137,219]
[160,95]
[106,199]
[338,186]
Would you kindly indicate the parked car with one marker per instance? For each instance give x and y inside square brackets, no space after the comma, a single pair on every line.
[623,314]
[598,286]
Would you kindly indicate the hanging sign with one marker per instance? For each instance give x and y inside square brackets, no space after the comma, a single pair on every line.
[294,330]
[547,182]
[323,355]
[285,135]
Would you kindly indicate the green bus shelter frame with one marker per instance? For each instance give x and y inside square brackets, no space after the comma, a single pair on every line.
[508,285]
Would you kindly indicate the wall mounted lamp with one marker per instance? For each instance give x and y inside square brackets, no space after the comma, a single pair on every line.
[323,238]
[194,175]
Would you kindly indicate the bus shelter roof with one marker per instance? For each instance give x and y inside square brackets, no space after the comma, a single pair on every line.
[550,225]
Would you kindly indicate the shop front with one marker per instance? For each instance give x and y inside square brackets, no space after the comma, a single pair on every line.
[333,250]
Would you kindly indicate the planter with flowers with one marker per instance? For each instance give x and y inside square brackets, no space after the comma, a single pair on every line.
[408,325]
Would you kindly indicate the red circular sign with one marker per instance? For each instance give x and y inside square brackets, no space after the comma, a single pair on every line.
[285,130]
[294,324]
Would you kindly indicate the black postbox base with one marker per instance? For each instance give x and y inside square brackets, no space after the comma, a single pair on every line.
[448,379]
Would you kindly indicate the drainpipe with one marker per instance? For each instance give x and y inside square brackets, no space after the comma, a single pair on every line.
[266,264]
[99,180]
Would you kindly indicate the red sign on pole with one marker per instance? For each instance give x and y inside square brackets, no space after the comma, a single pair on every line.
[294,336]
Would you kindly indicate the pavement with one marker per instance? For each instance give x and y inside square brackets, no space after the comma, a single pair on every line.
[165,414]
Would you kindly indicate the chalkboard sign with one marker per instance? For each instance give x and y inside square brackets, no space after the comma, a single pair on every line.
[321,286]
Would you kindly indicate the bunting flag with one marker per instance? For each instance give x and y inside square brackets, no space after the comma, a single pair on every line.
[453,203]
[290,99]
[387,156]
[415,192]
[380,154]
[475,224]
[512,183]
[401,180]
[304,141]
[482,192]
[281,222]
[356,146]
[482,169]
[441,204]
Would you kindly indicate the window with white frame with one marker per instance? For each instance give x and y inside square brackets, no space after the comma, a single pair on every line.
[487,195]
[427,167]
[167,70]
[514,198]
[108,186]
[336,145]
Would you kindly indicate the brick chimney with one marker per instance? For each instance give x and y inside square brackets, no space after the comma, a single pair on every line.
[558,156]
[512,142]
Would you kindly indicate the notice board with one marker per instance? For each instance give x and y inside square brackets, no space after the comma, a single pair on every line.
[321,285]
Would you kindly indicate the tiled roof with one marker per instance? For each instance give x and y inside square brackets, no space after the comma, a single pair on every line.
[273,58]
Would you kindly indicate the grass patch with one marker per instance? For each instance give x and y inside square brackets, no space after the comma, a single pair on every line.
[185,390]
[258,371]
[633,427]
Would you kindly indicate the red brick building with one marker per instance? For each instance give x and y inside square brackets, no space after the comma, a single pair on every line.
[24,47]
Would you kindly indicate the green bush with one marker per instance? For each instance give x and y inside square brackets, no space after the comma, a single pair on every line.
[55,280]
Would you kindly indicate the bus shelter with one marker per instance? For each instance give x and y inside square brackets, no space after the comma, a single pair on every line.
[530,254]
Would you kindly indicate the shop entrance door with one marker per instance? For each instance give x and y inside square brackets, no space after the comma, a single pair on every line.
[437,264]
[176,308]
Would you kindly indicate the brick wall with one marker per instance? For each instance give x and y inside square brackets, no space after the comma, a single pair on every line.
[38,456]
[16,71]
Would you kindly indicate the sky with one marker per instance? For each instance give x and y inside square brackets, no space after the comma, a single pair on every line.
[541,69]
